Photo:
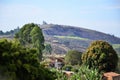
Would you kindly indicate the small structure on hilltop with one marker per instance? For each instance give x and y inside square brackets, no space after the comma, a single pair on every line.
[44,22]
[111,76]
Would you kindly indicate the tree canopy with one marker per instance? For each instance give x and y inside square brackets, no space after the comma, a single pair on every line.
[100,55]
[30,35]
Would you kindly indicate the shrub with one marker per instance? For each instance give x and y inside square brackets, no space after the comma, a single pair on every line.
[100,55]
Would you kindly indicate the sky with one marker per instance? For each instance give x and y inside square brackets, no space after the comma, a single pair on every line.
[99,15]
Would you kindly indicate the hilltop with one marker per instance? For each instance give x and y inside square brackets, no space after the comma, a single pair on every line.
[63,30]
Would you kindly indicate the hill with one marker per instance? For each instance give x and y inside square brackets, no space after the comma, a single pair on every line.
[63,38]
[62,30]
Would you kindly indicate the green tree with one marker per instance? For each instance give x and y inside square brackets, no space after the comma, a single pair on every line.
[37,40]
[1,32]
[100,55]
[24,34]
[19,63]
[30,35]
[48,49]
[73,57]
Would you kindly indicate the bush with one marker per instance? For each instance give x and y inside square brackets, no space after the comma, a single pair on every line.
[84,73]
[100,55]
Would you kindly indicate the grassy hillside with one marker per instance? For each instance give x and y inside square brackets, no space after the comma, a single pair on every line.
[62,30]
[71,37]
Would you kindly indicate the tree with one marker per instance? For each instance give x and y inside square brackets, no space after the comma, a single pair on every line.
[100,55]
[19,63]
[37,40]
[1,32]
[30,35]
[73,57]
[48,49]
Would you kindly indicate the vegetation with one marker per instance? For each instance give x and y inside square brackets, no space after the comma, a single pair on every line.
[19,63]
[48,49]
[73,57]
[11,32]
[59,74]
[100,55]
[30,35]
[84,73]
[118,66]
[20,59]
[117,48]
[77,38]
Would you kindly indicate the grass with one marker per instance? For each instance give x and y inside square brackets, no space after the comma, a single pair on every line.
[71,37]
[117,48]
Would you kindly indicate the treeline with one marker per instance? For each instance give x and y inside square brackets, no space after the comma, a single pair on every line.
[11,32]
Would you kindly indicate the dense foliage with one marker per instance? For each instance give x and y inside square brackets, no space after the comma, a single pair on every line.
[30,35]
[101,55]
[73,57]
[19,63]
[84,73]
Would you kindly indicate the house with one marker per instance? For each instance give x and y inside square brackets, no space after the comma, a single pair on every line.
[58,63]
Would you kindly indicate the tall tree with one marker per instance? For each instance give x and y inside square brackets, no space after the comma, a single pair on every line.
[30,35]
[37,40]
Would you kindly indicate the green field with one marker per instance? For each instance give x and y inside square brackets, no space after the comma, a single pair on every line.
[71,37]
[116,45]
[117,48]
